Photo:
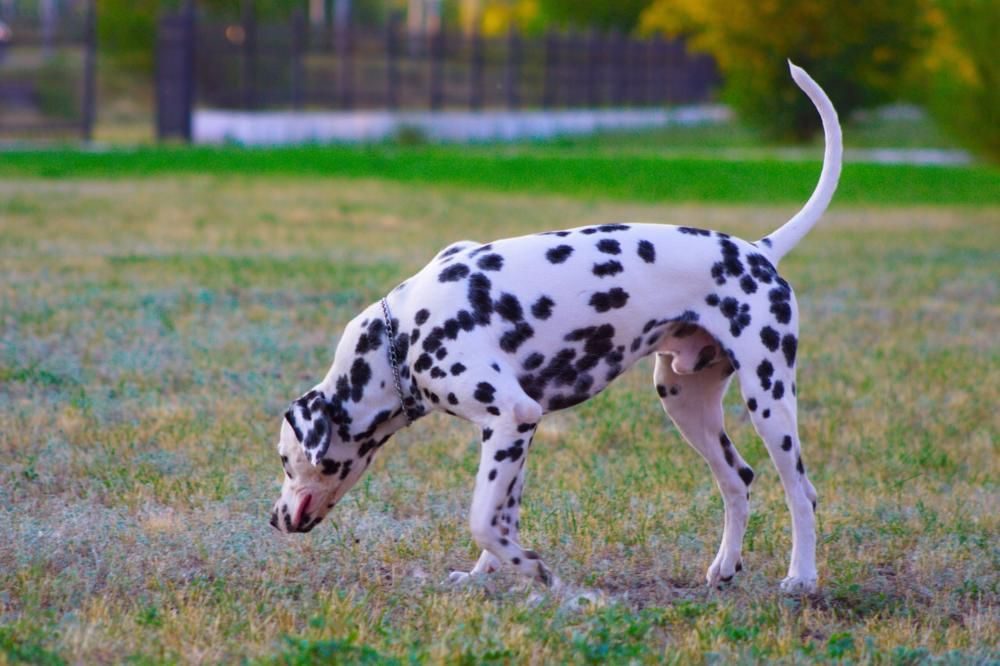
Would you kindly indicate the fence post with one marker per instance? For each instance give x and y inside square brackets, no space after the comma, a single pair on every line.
[476,72]
[435,76]
[249,53]
[297,47]
[391,62]
[616,57]
[345,71]
[550,93]
[594,49]
[175,74]
[89,61]
[513,68]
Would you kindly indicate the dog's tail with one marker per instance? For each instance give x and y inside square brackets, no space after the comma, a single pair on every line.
[780,242]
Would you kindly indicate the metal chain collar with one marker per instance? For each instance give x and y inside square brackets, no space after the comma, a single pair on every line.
[394,361]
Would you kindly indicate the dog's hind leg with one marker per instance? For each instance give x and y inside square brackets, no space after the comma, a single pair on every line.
[767,381]
[694,402]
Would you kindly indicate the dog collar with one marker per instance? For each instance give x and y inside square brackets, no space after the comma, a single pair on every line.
[394,361]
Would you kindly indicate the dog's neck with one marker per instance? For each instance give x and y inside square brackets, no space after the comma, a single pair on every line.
[361,388]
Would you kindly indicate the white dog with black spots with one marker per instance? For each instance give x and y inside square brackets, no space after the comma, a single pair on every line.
[502,333]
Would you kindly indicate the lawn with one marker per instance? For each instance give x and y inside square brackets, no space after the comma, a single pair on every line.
[155,328]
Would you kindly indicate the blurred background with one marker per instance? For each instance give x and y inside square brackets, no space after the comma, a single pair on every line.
[909,74]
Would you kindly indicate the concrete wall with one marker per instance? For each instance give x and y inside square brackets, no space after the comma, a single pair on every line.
[269,128]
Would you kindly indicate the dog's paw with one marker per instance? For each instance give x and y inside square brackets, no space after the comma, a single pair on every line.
[459,577]
[721,572]
[798,585]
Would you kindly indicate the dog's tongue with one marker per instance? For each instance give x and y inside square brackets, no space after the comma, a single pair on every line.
[303,507]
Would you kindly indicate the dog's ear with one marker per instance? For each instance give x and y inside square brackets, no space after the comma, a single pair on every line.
[310,420]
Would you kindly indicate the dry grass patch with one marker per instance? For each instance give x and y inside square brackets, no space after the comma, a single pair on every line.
[152,331]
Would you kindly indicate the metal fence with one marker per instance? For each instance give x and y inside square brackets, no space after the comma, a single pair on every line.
[47,70]
[243,64]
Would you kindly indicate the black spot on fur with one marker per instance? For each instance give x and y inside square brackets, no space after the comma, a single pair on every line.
[421,316]
[457,369]
[491,262]
[608,228]
[789,346]
[508,307]
[559,254]
[748,285]
[752,404]
[361,374]
[798,465]
[484,392]
[479,298]
[487,433]
[779,390]
[512,339]
[746,474]
[609,246]
[453,273]
[542,309]
[492,475]
[770,338]
[764,371]
[608,268]
[533,361]
[602,301]
[647,252]
[371,339]
[786,443]
[780,306]
[693,231]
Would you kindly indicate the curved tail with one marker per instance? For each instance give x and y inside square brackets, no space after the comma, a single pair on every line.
[780,242]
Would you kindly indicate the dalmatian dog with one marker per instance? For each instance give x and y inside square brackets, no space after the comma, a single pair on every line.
[503,333]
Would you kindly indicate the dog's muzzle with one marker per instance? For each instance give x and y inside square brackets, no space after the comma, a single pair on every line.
[284,519]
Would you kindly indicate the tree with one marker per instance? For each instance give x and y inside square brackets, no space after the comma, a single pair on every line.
[964,73]
[857,50]
[618,15]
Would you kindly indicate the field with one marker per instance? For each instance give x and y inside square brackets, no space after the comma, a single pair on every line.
[156,321]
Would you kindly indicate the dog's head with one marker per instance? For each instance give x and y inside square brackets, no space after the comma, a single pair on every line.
[330,435]
[312,482]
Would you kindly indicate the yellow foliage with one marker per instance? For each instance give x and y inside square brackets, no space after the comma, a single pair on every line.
[497,17]
[858,48]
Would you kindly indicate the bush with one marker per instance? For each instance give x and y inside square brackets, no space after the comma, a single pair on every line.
[964,73]
[858,51]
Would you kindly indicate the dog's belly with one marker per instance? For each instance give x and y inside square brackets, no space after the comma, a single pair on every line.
[569,311]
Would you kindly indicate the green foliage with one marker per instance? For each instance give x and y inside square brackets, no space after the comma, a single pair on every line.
[26,650]
[56,87]
[856,50]
[126,32]
[305,652]
[964,94]
[621,15]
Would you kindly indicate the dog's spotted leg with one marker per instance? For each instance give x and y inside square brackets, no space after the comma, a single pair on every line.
[495,515]
[694,402]
[768,385]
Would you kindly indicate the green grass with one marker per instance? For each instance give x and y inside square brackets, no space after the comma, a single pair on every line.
[152,330]
[589,174]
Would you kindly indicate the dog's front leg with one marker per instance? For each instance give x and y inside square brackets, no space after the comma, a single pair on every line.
[494,518]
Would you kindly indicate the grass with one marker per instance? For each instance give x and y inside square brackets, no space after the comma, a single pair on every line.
[587,174]
[153,330]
